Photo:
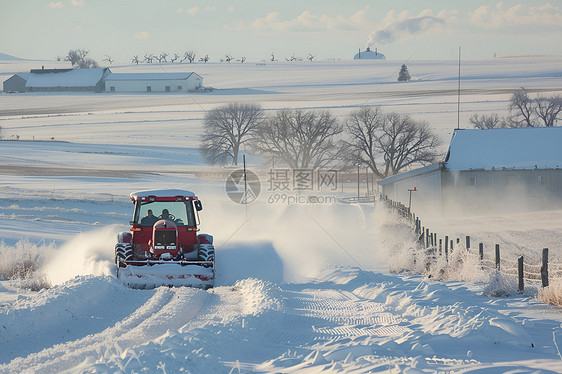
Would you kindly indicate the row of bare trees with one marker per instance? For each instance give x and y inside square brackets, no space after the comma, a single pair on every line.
[307,139]
[78,59]
[164,58]
[523,112]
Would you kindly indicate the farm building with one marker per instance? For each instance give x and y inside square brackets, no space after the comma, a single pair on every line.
[153,82]
[498,169]
[16,83]
[48,80]
[369,55]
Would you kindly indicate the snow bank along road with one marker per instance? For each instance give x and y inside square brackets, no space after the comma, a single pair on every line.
[346,321]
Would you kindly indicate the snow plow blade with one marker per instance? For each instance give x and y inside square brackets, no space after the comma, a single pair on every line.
[151,274]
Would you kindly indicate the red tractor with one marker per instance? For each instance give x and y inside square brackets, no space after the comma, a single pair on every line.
[163,247]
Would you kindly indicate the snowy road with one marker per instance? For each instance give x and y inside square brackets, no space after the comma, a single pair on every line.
[346,320]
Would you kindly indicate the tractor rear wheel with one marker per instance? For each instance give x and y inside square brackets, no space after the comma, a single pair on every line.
[206,252]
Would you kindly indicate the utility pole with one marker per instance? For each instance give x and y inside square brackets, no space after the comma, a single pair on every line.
[459,95]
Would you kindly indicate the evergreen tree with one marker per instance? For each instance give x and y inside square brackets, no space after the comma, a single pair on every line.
[403,75]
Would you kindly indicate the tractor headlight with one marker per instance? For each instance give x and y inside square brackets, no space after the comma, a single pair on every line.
[160,247]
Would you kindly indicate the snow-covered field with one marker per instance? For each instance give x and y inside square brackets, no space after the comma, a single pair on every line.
[301,288]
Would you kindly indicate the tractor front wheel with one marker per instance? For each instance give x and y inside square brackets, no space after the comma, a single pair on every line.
[206,252]
[123,252]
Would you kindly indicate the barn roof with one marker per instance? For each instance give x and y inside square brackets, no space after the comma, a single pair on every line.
[511,148]
[66,78]
[148,76]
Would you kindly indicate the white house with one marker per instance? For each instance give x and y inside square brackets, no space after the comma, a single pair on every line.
[488,169]
[153,82]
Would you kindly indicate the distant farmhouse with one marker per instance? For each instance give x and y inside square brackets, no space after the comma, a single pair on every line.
[369,55]
[101,80]
[16,83]
[498,169]
[49,80]
[153,82]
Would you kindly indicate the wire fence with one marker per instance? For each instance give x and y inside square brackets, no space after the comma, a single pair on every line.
[438,247]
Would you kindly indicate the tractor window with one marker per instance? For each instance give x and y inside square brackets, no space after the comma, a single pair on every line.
[180,212]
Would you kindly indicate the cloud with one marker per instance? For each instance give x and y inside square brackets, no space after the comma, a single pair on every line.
[405,26]
[306,21]
[193,11]
[210,8]
[58,4]
[77,29]
[230,9]
[142,35]
[517,15]
[77,2]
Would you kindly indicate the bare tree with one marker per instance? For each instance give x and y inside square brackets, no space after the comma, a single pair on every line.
[163,56]
[363,126]
[148,58]
[301,139]
[492,121]
[228,58]
[78,59]
[241,59]
[204,58]
[226,129]
[522,109]
[108,59]
[548,109]
[405,142]
[388,144]
[135,60]
[272,58]
[189,55]
[310,57]
[175,58]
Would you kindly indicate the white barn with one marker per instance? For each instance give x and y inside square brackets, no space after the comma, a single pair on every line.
[153,82]
[498,169]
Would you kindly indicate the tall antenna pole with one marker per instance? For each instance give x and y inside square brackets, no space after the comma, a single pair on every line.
[245,188]
[459,94]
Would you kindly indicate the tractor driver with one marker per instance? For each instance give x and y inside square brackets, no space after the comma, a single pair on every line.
[150,219]
[165,214]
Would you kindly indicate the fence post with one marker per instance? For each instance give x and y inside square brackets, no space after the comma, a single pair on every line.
[446,248]
[440,246]
[544,267]
[451,245]
[481,251]
[497,257]
[432,237]
[426,238]
[467,243]
[520,273]
[458,240]
[435,238]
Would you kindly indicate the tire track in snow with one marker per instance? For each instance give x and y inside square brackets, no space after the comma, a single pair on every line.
[325,313]
[167,309]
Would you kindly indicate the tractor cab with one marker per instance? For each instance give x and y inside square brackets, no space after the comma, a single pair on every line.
[164,222]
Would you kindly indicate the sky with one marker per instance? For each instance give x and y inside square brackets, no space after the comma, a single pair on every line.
[256,29]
